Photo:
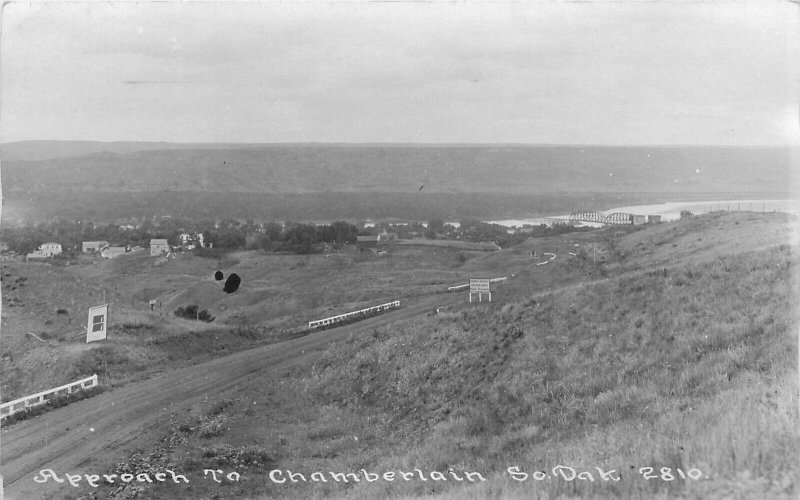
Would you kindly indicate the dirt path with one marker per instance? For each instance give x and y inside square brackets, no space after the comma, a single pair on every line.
[83,437]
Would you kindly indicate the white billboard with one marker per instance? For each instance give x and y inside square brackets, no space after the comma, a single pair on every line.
[480,285]
[98,323]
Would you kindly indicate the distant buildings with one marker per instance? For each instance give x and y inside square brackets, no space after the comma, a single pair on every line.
[113,252]
[45,251]
[51,249]
[36,254]
[93,246]
[158,247]
[653,219]
[638,219]
[372,242]
[192,240]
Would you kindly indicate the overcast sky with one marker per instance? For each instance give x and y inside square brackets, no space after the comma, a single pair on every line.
[546,72]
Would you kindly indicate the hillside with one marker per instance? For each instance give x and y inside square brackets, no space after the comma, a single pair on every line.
[682,357]
[670,347]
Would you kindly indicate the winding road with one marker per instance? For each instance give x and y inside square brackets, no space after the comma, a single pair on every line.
[99,430]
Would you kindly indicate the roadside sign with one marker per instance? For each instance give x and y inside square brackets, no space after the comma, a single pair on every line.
[98,323]
[480,286]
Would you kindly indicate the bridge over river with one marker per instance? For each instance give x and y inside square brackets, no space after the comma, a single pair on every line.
[612,218]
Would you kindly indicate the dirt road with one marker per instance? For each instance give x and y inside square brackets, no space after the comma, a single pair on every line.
[82,437]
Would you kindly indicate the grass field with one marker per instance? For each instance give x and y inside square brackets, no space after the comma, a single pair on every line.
[655,353]
[279,293]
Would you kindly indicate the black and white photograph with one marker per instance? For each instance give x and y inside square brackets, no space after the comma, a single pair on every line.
[400,250]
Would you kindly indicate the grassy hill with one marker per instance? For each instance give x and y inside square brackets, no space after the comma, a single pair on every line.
[278,293]
[652,350]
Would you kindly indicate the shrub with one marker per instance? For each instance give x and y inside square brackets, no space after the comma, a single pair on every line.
[191,312]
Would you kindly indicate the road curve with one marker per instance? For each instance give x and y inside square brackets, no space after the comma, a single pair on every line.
[99,429]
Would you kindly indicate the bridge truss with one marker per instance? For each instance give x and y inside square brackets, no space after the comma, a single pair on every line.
[592,216]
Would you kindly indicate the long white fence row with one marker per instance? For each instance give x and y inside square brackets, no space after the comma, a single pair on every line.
[344,317]
[22,404]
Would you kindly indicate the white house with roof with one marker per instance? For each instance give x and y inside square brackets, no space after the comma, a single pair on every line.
[45,251]
[50,249]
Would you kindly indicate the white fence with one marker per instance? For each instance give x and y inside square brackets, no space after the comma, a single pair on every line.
[22,404]
[457,287]
[344,317]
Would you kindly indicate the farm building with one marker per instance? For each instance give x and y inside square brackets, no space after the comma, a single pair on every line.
[158,247]
[112,252]
[653,219]
[50,249]
[639,219]
[93,246]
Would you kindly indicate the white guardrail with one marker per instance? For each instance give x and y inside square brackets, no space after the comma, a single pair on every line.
[22,404]
[344,317]
[457,287]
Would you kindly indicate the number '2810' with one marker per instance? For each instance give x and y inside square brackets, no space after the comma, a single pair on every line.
[666,473]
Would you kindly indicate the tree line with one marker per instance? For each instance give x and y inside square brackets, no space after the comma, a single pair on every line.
[226,235]
[231,234]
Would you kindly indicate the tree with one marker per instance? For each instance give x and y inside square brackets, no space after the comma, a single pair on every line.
[344,232]
[191,312]
[301,238]
[436,225]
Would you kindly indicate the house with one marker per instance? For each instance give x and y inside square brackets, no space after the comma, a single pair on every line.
[192,240]
[45,251]
[112,252]
[50,249]
[366,242]
[158,247]
[93,246]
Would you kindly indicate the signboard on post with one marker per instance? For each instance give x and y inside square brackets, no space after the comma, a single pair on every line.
[98,323]
[480,286]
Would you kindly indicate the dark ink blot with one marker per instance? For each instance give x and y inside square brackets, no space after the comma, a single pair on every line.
[232,283]
[218,275]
